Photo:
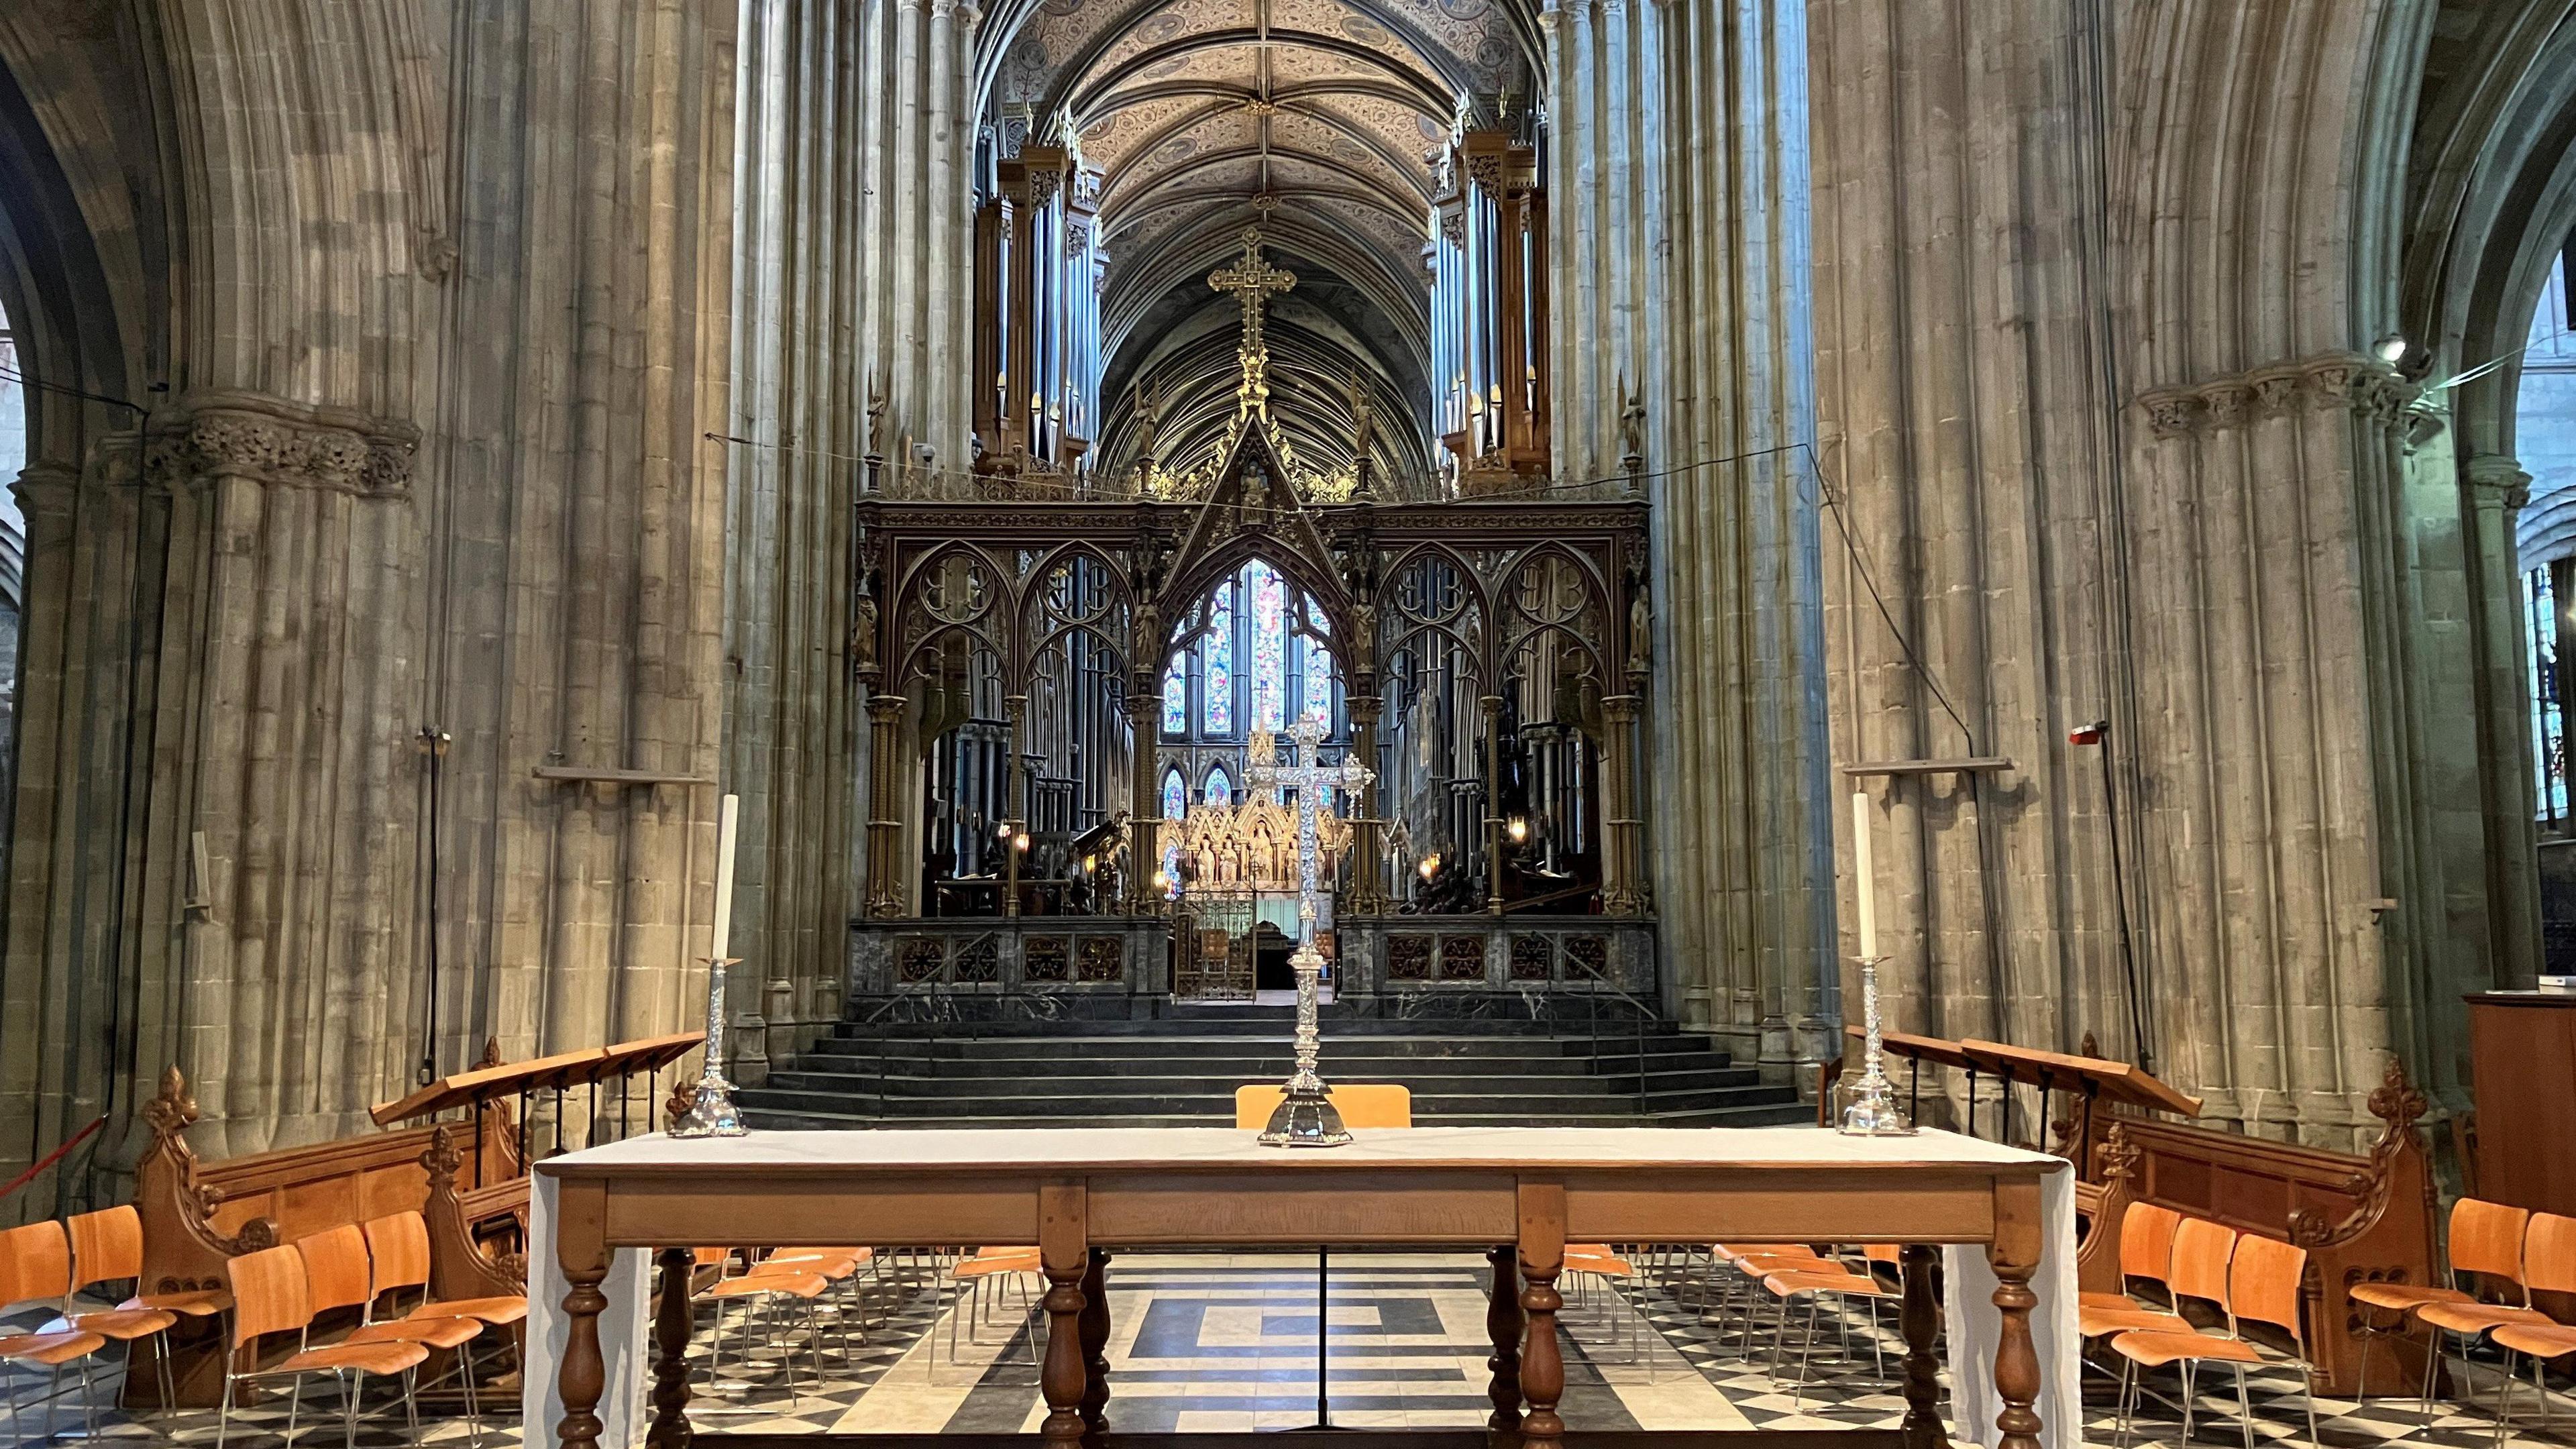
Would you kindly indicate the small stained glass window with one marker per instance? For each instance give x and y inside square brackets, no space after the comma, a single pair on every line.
[1269,647]
[1216,655]
[1176,796]
[1176,700]
[1220,789]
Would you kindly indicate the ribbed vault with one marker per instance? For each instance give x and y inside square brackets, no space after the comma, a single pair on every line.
[1315,120]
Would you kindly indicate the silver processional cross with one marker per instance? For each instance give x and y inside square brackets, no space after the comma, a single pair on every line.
[1305,1117]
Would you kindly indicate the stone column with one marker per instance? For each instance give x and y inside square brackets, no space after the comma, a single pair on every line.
[1492,705]
[1015,805]
[1619,893]
[885,825]
[1368,884]
[1145,816]
[2496,489]
[1742,863]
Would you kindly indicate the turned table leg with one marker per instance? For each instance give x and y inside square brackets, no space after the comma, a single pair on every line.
[1920,1318]
[2014,1254]
[670,1427]
[1503,1327]
[1095,1342]
[1064,1251]
[1542,1258]
[581,1248]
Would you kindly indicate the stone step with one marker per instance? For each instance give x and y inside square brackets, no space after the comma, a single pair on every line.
[1491,1080]
[1791,1113]
[1042,1051]
[1159,1098]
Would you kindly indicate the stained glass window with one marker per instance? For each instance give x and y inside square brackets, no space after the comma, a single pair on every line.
[1220,790]
[1176,796]
[1176,700]
[1269,647]
[1319,682]
[1216,653]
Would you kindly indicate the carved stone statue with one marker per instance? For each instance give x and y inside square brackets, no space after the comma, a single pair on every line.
[863,635]
[1641,636]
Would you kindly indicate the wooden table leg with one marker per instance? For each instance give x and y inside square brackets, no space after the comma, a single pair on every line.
[1095,1342]
[2014,1254]
[1063,1377]
[581,1247]
[670,1427]
[1920,1317]
[1503,1325]
[1542,1257]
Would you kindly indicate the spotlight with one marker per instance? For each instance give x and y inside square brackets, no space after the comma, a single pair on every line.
[1162,880]
[2411,359]
[1020,842]
[1002,831]
[2089,734]
[1518,830]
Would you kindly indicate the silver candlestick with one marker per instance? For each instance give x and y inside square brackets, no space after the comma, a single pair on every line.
[712,1112]
[1870,1108]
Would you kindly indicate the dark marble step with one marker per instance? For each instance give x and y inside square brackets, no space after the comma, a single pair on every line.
[1163,1099]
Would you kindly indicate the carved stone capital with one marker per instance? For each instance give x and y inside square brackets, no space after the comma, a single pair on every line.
[225,434]
[2172,411]
[46,487]
[2496,481]
[2224,404]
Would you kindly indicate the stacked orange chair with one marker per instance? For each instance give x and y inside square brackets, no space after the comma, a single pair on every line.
[271,1295]
[36,1265]
[2549,1266]
[2485,1252]
[2250,1279]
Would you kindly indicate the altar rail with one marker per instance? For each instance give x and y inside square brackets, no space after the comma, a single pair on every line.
[1100,968]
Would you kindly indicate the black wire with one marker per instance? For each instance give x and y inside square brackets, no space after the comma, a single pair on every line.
[23,380]
[429,1030]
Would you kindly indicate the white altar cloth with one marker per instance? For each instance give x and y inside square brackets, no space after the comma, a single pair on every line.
[1968,1309]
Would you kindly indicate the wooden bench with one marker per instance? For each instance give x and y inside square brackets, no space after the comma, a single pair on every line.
[2362,1219]
[198,1216]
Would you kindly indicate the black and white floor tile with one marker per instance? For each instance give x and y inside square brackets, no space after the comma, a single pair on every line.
[1228,1342]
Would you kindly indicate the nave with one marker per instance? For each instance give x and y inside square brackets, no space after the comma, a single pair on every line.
[1212,1342]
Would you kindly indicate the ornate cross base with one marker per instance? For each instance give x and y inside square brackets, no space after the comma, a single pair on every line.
[1305,1118]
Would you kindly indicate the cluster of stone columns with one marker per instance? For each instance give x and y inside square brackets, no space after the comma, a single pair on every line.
[1681,276]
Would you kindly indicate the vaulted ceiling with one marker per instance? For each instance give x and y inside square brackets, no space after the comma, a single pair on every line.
[1315,120]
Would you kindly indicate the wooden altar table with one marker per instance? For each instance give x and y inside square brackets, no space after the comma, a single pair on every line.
[1518,1193]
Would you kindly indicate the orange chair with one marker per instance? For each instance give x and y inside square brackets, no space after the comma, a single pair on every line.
[2548,1266]
[398,1244]
[35,1265]
[340,1272]
[1839,1282]
[272,1295]
[2485,1242]
[2146,1251]
[107,1247]
[2252,1279]
[764,1286]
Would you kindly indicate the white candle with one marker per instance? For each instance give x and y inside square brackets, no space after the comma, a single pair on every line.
[724,874]
[1863,880]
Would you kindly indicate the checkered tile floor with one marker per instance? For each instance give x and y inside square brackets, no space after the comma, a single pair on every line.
[1219,1342]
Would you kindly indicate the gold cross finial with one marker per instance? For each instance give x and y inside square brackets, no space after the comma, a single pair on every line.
[1252,281]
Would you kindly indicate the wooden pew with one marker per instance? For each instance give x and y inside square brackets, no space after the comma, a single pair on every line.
[2102,1208]
[2362,1219]
[198,1215]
